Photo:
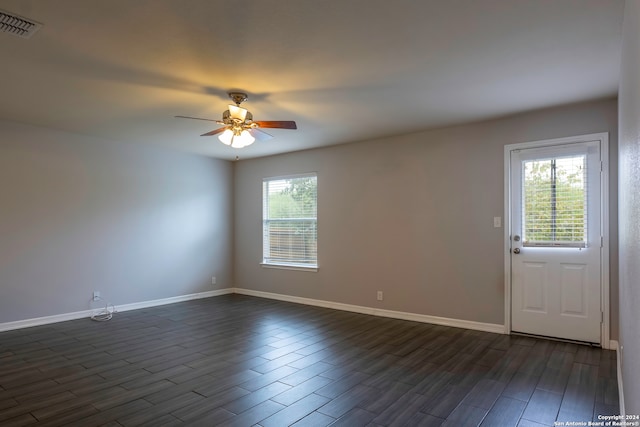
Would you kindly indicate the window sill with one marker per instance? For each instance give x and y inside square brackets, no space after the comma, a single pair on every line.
[311,268]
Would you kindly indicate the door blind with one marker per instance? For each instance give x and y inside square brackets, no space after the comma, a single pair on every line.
[554,204]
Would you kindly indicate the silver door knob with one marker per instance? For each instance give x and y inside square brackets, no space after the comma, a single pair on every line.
[516,251]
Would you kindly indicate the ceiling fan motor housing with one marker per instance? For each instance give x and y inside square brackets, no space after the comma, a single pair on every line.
[238,97]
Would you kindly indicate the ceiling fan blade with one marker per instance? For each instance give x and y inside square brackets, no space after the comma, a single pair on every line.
[214,132]
[277,124]
[259,135]
[195,118]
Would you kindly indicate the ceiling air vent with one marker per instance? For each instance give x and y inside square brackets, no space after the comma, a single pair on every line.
[17,25]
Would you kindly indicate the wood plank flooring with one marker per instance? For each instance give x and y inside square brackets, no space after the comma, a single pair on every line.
[241,361]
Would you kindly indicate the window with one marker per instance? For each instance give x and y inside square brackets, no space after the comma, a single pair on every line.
[289,221]
[555,201]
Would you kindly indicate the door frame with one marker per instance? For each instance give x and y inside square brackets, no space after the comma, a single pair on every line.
[603,139]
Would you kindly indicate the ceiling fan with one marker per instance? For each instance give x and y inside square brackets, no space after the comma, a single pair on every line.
[239,129]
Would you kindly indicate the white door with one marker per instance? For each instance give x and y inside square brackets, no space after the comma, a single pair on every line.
[556,240]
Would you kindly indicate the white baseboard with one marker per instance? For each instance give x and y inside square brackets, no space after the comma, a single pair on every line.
[27,323]
[172,300]
[445,321]
[616,346]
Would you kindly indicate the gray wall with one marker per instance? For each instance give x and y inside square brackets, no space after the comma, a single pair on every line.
[630,206]
[410,215]
[135,223]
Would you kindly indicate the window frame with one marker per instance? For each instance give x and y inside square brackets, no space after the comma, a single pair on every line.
[287,265]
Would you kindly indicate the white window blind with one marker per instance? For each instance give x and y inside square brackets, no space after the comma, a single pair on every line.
[289,221]
[554,201]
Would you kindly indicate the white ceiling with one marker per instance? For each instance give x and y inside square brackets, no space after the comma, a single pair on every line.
[344,70]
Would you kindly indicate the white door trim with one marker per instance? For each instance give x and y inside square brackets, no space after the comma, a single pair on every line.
[603,138]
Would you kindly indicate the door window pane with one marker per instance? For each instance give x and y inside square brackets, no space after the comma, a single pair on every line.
[554,201]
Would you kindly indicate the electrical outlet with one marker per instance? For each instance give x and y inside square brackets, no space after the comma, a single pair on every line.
[380,296]
[213,280]
[96,295]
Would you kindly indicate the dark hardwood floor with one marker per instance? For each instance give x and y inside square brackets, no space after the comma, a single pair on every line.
[242,361]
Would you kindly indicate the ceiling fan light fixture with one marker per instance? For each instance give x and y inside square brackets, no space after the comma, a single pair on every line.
[236,139]
[243,140]
[237,112]
[226,137]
